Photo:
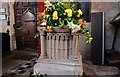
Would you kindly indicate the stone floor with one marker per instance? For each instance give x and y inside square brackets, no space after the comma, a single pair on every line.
[20,63]
[91,70]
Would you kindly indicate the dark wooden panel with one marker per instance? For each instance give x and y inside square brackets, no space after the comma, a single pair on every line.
[97,31]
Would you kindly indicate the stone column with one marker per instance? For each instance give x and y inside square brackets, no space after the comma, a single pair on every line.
[53,46]
[49,45]
[11,28]
[70,46]
[66,46]
[75,46]
[61,46]
[43,41]
[57,47]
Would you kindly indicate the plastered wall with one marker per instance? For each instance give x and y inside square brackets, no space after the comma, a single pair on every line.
[9,11]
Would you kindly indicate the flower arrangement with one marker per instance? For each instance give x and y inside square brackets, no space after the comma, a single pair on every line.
[64,15]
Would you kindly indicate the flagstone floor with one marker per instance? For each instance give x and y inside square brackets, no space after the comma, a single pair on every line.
[20,64]
[91,70]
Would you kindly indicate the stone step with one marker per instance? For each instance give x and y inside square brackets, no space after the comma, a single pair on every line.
[112,55]
[112,51]
[58,67]
[77,62]
[112,61]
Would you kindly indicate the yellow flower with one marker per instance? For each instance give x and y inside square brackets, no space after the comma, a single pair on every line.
[55,15]
[79,13]
[69,12]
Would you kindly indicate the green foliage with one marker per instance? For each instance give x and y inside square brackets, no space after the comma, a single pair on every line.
[64,15]
[37,35]
[60,7]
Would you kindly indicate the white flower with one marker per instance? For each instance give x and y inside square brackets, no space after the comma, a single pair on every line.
[79,25]
[47,3]
[70,24]
[75,28]
[43,24]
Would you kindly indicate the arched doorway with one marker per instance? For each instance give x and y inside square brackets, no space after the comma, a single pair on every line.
[25,24]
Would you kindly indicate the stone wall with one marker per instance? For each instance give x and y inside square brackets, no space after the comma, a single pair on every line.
[110,9]
[85,49]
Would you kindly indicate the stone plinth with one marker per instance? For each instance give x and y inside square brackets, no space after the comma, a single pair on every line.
[55,67]
[59,53]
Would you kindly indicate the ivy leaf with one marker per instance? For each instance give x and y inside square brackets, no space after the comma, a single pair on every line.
[89,40]
[37,35]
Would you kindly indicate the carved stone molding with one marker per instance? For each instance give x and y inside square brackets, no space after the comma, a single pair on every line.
[42,30]
[59,45]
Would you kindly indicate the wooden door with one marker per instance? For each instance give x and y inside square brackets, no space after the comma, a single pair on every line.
[25,24]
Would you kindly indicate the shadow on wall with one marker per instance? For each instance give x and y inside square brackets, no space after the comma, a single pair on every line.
[85,49]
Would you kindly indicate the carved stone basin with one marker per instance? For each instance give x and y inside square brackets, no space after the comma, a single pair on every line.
[59,53]
[60,30]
